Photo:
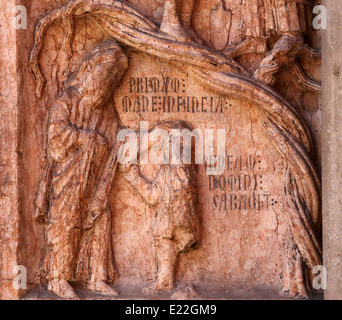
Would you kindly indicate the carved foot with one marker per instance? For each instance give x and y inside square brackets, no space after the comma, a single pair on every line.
[267,78]
[63,289]
[187,293]
[294,281]
[295,292]
[102,288]
[159,285]
[267,70]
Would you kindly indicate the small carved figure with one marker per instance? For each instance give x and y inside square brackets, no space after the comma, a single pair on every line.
[78,224]
[177,20]
[284,23]
[175,226]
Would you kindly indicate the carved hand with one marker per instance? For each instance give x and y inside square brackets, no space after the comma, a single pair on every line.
[100,139]
[93,134]
[130,172]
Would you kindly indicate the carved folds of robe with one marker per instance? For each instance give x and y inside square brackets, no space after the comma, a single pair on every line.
[73,252]
[173,195]
[263,18]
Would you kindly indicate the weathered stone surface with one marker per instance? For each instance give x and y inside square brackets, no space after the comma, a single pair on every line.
[9,156]
[259,221]
[332,152]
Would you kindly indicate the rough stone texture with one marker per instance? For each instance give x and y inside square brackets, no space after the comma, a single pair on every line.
[9,155]
[240,251]
[332,222]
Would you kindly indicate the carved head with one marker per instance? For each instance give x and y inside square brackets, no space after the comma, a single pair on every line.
[100,71]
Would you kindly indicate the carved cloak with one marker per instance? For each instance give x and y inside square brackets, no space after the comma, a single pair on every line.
[71,175]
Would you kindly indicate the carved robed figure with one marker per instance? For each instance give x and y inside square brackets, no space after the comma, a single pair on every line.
[172,195]
[72,196]
[284,22]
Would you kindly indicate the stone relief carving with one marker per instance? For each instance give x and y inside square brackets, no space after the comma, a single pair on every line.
[282,25]
[175,225]
[71,200]
[74,152]
[177,20]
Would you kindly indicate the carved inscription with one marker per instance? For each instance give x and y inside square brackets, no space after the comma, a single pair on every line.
[168,95]
[240,188]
